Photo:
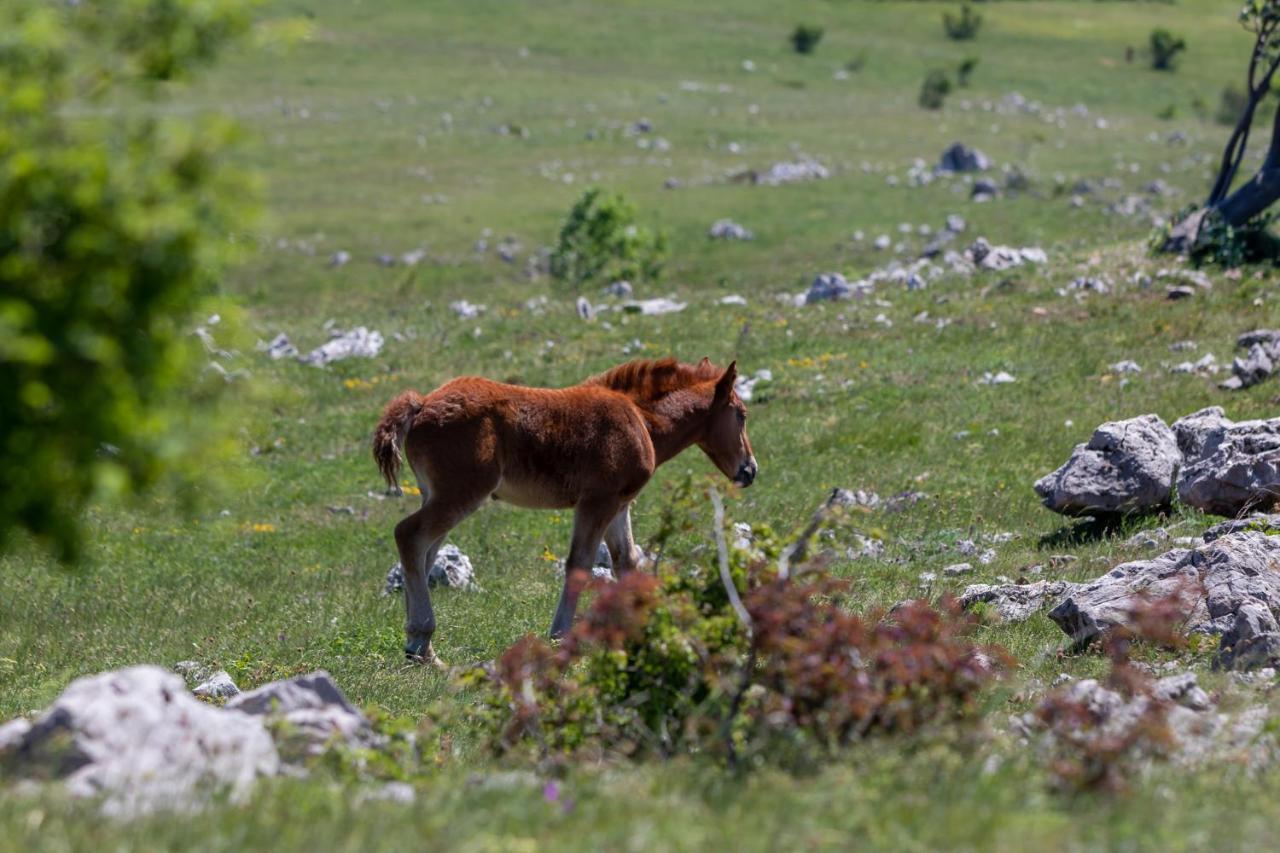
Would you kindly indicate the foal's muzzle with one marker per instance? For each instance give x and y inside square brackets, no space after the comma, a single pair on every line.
[746,473]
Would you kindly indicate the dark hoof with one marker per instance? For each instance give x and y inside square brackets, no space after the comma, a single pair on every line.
[417,648]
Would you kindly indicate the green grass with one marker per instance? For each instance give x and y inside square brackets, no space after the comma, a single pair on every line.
[854,403]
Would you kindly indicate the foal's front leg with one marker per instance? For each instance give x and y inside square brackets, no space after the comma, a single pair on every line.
[589,522]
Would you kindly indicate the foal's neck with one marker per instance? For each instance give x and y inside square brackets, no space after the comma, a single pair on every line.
[676,420]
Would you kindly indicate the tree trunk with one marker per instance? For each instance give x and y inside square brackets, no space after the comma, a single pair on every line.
[1249,199]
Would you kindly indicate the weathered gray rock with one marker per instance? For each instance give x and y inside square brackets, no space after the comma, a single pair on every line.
[1199,430]
[832,285]
[962,158]
[1015,602]
[1126,467]
[217,686]
[311,705]
[1213,582]
[353,343]
[1253,367]
[1261,522]
[984,256]
[139,739]
[452,570]
[727,229]
[1234,467]
[1253,640]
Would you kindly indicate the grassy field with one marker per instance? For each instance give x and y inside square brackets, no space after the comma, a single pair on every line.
[381,134]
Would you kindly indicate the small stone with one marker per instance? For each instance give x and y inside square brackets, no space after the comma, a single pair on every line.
[218,686]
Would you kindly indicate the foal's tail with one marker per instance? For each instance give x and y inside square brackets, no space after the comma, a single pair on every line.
[388,437]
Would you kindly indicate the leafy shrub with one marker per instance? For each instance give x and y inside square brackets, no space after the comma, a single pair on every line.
[963,28]
[934,90]
[1220,244]
[659,666]
[966,68]
[600,240]
[110,236]
[805,38]
[857,63]
[1165,47]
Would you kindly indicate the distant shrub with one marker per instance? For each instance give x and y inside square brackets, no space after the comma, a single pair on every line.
[600,241]
[857,63]
[966,68]
[962,28]
[1219,244]
[1165,47]
[805,38]
[934,90]
[1231,105]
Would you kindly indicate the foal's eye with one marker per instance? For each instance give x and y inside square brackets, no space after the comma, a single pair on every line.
[742,416]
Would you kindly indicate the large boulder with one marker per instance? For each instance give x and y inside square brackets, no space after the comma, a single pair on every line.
[1126,467]
[139,739]
[1213,583]
[1229,468]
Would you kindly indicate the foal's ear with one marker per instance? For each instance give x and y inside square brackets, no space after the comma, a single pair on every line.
[724,385]
[706,361]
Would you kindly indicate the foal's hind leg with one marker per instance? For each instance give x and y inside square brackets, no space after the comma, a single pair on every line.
[589,523]
[418,538]
[622,546]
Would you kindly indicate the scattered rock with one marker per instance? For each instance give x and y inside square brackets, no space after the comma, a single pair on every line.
[746,385]
[1213,583]
[620,289]
[727,229]
[313,706]
[354,343]
[999,378]
[585,309]
[1252,368]
[1015,602]
[136,737]
[340,259]
[1126,367]
[1268,523]
[1181,291]
[847,499]
[654,307]
[987,257]
[279,347]
[957,569]
[961,158]
[832,285]
[791,172]
[1127,466]
[466,310]
[984,189]
[452,570]
[218,686]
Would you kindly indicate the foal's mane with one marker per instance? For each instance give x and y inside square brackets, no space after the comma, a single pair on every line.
[651,379]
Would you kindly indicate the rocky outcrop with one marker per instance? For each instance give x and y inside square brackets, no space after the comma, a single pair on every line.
[1229,468]
[1127,466]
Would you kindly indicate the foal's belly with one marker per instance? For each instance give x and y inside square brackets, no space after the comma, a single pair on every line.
[532,495]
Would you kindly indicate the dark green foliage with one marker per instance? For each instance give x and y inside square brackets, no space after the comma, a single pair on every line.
[111,231]
[805,38]
[934,90]
[601,242]
[1165,47]
[1220,244]
[962,28]
[965,69]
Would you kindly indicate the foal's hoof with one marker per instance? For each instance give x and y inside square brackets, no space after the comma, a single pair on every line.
[420,651]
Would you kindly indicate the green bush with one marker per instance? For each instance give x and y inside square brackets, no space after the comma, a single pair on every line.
[111,232]
[934,90]
[965,70]
[1165,47]
[600,241]
[805,38]
[963,28]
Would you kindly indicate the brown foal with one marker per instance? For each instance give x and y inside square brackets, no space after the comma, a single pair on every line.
[592,447]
